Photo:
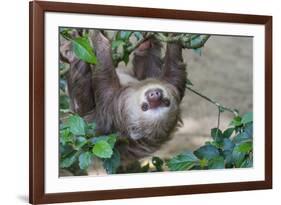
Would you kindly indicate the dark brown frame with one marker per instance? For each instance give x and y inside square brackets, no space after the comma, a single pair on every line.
[37,95]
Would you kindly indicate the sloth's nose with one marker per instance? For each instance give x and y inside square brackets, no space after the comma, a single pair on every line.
[154,95]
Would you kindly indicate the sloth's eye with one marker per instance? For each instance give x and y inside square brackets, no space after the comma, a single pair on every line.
[144,107]
[166,102]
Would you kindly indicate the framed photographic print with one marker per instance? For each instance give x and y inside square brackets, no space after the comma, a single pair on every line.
[138,102]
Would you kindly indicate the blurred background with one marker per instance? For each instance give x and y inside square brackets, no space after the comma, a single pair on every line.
[223,72]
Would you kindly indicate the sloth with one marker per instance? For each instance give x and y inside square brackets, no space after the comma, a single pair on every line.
[142,107]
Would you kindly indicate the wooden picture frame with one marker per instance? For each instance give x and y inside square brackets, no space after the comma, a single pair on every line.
[37,10]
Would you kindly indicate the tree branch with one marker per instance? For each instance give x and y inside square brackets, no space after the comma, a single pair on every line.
[187,41]
[117,57]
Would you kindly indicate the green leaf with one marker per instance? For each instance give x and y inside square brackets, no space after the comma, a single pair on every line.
[238,158]
[247,163]
[242,137]
[83,50]
[85,160]
[111,165]
[188,82]
[125,35]
[94,140]
[93,125]
[91,129]
[228,144]
[244,147]
[217,144]
[65,150]
[227,154]
[116,44]
[64,102]
[102,149]
[80,142]
[62,29]
[65,33]
[249,129]
[76,125]
[216,134]
[145,168]
[138,35]
[228,132]
[158,163]
[216,163]
[184,161]
[62,83]
[68,161]
[203,163]
[65,136]
[195,41]
[126,57]
[110,139]
[207,152]
[248,117]
[236,122]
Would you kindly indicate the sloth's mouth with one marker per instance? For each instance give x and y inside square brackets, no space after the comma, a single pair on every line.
[163,102]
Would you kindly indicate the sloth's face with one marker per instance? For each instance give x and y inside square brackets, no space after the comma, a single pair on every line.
[154,99]
[151,105]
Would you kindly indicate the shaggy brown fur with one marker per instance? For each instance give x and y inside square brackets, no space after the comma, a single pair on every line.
[117,107]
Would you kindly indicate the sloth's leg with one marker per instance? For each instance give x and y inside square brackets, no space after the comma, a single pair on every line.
[147,60]
[79,79]
[174,69]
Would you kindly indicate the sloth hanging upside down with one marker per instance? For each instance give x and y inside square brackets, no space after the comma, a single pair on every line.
[142,107]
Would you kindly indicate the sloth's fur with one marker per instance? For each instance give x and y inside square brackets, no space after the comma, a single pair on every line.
[145,131]
[114,99]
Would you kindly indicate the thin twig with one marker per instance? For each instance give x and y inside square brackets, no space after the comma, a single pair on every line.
[220,107]
[219,117]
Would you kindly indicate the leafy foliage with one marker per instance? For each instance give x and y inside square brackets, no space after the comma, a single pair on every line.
[81,146]
[223,151]
[122,45]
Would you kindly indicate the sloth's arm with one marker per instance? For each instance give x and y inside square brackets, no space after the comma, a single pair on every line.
[106,81]
[174,69]
[79,80]
[106,85]
[147,60]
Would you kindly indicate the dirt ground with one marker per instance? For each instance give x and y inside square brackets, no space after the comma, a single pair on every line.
[223,72]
